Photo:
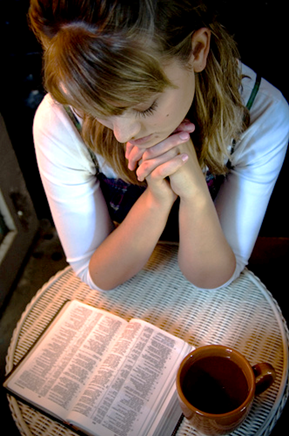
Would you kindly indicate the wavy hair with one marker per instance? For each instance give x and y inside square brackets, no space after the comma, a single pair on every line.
[105,56]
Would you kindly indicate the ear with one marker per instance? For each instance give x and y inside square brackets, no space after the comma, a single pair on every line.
[200,49]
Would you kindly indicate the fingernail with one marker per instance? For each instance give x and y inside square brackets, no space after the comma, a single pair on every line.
[184,157]
[190,127]
[184,135]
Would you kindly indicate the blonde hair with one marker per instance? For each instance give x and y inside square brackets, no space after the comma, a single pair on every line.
[104,56]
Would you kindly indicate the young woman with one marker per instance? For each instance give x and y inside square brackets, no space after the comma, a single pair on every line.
[152,122]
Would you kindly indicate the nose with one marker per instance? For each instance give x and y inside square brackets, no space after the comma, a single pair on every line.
[125,128]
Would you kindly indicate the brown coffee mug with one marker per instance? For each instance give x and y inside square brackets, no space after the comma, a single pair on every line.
[216,387]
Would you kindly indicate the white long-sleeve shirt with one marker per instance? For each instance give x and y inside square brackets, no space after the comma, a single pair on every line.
[77,204]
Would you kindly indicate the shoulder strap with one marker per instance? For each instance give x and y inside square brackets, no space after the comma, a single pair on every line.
[249,104]
[254,92]
[77,124]
[73,118]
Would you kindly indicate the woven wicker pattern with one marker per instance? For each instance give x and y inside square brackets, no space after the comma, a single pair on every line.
[243,316]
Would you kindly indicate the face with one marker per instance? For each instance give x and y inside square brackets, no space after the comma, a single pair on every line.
[150,122]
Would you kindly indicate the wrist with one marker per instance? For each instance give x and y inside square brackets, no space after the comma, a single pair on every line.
[160,200]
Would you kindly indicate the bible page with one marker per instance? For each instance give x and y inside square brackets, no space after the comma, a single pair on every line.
[61,363]
[127,402]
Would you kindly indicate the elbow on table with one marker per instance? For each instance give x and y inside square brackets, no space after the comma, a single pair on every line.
[85,276]
[105,288]
[214,277]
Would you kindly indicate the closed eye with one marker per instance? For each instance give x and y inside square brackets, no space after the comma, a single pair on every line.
[148,111]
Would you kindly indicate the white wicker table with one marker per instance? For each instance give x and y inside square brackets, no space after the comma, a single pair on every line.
[243,316]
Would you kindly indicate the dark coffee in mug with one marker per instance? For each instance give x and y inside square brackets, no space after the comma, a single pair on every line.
[215,385]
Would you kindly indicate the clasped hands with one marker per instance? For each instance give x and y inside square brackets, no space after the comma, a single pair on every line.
[172,161]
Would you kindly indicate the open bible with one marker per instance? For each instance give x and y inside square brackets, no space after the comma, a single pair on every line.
[102,375]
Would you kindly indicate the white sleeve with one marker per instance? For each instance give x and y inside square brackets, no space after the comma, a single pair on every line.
[256,162]
[69,178]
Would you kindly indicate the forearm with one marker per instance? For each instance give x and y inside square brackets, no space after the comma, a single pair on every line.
[126,250]
[205,257]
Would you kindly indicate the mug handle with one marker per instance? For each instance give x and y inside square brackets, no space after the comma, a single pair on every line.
[264,376]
